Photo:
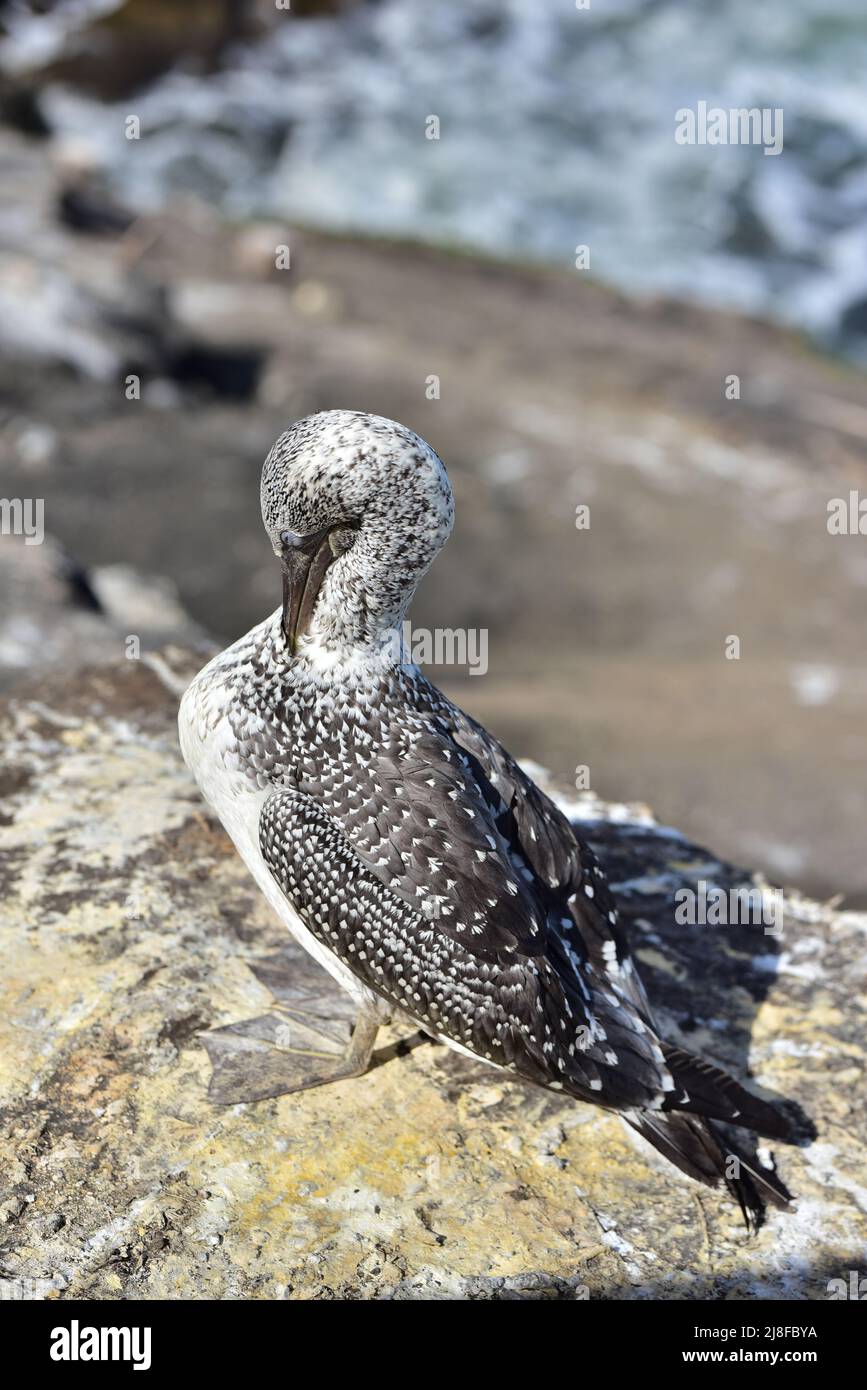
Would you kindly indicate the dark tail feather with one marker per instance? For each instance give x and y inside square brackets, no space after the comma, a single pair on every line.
[703,1089]
[693,1146]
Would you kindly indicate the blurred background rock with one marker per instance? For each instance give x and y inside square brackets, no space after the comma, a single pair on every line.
[454,258]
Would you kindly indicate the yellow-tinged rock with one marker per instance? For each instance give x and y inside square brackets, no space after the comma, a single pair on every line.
[129,927]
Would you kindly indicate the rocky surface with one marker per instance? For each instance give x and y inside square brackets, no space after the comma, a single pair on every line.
[129,928]
[57,616]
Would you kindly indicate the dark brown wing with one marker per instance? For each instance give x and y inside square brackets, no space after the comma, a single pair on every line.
[428,831]
[587,923]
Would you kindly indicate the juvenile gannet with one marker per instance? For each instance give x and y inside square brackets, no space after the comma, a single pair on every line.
[401,844]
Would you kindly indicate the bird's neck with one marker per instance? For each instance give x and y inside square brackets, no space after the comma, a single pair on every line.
[324,663]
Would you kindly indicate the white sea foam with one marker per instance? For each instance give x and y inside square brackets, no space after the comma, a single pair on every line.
[557,129]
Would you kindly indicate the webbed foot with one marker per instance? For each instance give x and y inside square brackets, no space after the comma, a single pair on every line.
[280,1053]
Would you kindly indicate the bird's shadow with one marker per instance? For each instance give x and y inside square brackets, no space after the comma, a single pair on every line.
[706,979]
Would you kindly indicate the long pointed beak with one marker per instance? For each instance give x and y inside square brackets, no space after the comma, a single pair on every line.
[305,560]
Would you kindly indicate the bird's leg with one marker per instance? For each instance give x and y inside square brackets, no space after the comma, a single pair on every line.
[246,1070]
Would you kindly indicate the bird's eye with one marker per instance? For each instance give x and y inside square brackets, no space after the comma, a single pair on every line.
[341,539]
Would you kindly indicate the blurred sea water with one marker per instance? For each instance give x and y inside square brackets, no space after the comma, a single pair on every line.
[557,129]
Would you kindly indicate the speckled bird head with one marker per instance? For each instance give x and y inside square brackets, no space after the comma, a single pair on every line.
[356,507]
